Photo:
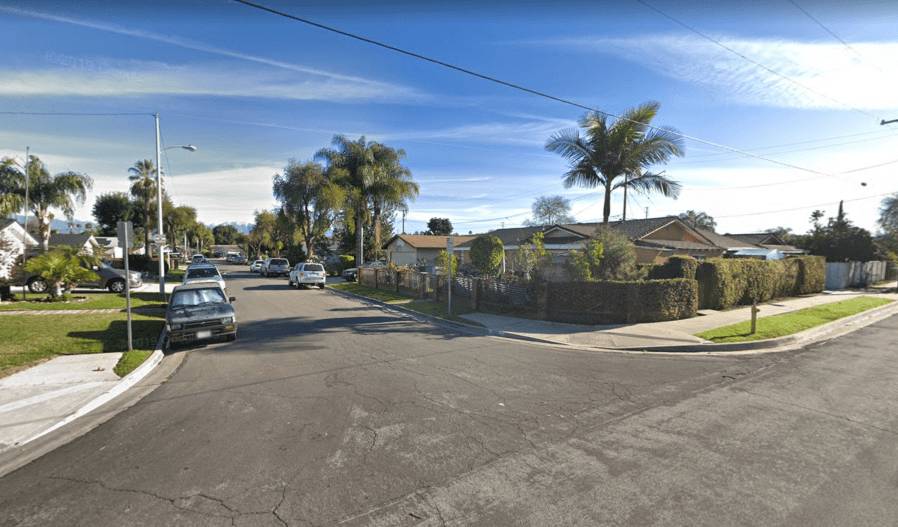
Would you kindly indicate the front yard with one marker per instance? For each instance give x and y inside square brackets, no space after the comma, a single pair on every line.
[29,339]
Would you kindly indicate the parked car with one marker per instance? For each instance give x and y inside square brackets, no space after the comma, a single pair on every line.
[200,311]
[306,274]
[275,267]
[108,278]
[256,266]
[352,274]
[203,273]
[233,257]
[198,258]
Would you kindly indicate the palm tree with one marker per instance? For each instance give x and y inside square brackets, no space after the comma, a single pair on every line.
[351,164]
[698,220]
[392,186]
[622,150]
[61,191]
[143,186]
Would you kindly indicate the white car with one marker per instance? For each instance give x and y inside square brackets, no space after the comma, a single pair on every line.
[256,266]
[203,273]
[307,274]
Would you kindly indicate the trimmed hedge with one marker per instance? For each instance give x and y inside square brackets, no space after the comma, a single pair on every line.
[724,283]
[141,263]
[674,267]
[611,302]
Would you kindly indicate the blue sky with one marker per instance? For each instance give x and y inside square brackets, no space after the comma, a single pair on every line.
[803,86]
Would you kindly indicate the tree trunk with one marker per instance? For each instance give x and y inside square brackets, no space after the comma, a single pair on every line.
[607,210]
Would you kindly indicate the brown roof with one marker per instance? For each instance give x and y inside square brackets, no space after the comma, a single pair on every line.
[423,241]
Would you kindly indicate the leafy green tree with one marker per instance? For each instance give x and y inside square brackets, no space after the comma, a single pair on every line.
[61,191]
[443,260]
[225,234]
[310,199]
[553,210]
[178,222]
[698,220]
[619,257]
[62,268]
[439,227]
[617,155]
[839,240]
[143,187]
[262,234]
[533,259]
[486,254]
[585,263]
[111,208]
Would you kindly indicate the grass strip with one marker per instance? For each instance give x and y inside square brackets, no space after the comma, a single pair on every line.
[383,295]
[86,301]
[130,361]
[29,339]
[791,323]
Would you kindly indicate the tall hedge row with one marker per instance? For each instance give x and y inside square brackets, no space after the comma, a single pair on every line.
[674,267]
[724,283]
[613,302]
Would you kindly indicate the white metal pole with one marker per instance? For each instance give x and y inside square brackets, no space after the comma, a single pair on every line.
[159,245]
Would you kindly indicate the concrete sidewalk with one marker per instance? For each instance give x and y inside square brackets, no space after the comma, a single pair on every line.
[679,335]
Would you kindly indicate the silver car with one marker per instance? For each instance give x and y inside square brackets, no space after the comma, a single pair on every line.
[203,273]
[275,267]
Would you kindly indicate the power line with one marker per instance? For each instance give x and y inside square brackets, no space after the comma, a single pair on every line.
[805,207]
[758,64]
[837,37]
[528,90]
[72,113]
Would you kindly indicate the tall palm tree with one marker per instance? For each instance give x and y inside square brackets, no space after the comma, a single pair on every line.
[616,155]
[351,164]
[391,187]
[698,220]
[61,191]
[143,186]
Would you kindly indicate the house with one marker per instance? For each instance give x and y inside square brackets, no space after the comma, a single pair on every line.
[111,249]
[86,241]
[13,242]
[655,239]
[418,249]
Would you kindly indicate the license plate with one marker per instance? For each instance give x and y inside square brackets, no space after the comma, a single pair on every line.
[203,334]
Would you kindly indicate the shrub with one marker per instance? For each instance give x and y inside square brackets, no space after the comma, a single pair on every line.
[486,254]
[728,282]
[346,262]
[619,260]
[443,261]
[674,267]
[143,263]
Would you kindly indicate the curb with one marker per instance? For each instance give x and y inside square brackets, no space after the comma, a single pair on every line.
[120,386]
[421,317]
[808,336]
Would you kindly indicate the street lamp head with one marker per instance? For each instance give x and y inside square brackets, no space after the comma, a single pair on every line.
[189,147]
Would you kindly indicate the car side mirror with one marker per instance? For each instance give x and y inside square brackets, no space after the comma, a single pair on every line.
[232,299]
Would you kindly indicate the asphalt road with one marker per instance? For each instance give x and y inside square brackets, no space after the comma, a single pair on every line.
[330,412]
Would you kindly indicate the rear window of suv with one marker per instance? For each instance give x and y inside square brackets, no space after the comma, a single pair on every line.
[313,267]
[278,261]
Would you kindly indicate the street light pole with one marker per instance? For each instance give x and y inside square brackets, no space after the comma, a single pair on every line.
[159,235]
[887,122]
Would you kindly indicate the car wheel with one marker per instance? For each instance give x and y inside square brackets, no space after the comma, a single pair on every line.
[38,285]
[116,286]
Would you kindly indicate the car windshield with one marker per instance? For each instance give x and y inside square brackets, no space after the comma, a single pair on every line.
[202,273]
[198,297]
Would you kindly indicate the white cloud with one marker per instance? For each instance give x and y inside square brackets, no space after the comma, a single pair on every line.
[826,75]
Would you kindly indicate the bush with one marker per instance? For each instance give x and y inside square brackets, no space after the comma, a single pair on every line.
[674,267]
[143,263]
[725,283]
[346,262]
[623,302]
[486,254]
[619,258]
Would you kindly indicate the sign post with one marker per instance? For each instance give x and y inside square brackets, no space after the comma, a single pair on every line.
[450,247]
[125,233]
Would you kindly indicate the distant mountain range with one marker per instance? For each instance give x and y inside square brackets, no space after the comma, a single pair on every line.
[242,228]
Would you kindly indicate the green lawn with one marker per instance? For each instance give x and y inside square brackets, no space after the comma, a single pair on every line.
[790,323]
[377,294]
[85,301]
[28,339]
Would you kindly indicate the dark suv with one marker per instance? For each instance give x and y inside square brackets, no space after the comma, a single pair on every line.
[275,267]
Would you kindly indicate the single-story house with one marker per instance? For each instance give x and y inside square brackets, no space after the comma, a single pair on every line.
[655,239]
[419,249]
[13,243]
[111,249]
[86,241]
